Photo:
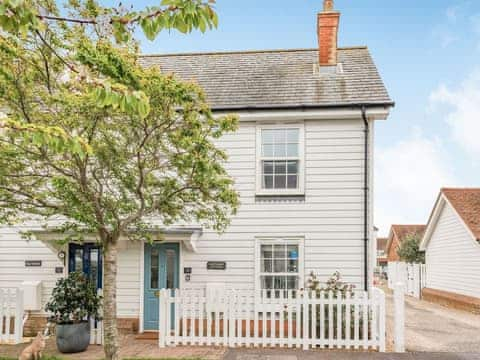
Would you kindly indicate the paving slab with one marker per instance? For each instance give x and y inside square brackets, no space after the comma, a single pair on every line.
[286,354]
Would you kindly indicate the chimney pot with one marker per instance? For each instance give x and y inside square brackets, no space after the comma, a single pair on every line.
[328,5]
[328,21]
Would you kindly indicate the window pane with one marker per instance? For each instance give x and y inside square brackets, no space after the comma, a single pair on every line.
[268,182]
[280,182]
[292,150]
[267,266]
[292,266]
[292,135]
[280,167]
[280,150]
[94,267]
[79,260]
[280,282]
[292,181]
[171,256]
[280,136]
[267,282]
[266,251]
[292,251]
[268,167]
[279,251]
[267,150]
[267,136]
[292,167]
[292,282]
[279,265]
[154,262]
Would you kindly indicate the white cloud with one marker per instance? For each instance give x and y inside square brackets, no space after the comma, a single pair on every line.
[462,113]
[452,14]
[408,177]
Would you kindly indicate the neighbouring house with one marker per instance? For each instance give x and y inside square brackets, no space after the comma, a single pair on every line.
[302,163]
[382,261]
[452,249]
[397,234]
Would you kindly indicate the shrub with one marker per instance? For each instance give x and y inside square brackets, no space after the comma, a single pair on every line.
[409,250]
[74,299]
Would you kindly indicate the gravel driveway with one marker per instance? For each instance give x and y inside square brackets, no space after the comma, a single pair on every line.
[432,327]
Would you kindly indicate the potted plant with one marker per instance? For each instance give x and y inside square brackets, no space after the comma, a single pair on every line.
[74,300]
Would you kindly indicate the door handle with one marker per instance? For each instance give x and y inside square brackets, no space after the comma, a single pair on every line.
[157,293]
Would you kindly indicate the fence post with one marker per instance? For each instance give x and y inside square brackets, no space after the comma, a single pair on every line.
[381,319]
[18,316]
[162,318]
[399,317]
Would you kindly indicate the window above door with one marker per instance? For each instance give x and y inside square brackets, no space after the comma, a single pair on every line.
[280,159]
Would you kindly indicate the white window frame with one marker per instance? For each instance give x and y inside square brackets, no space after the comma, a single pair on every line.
[300,190]
[291,240]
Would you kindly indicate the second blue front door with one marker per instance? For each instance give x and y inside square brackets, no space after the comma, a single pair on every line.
[161,272]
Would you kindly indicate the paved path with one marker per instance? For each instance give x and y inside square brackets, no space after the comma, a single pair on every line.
[242,354]
[129,348]
[435,328]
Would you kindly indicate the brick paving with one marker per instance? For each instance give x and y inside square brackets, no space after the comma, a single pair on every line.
[129,347]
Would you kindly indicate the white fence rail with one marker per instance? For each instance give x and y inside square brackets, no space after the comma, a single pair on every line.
[303,319]
[412,275]
[11,316]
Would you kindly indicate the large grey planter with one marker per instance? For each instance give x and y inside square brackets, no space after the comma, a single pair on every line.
[73,338]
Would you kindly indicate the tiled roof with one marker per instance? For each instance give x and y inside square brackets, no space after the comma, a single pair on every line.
[401,231]
[467,204]
[278,78]
[382,243]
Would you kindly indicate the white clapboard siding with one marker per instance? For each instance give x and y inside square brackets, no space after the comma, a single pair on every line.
[329,220]
[303,319]
[453,256]
[11,315]
[15,250]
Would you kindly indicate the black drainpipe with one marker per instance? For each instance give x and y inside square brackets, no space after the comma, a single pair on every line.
[365,201]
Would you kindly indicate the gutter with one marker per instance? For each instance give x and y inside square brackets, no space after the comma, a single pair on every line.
[365,199]
[387,104]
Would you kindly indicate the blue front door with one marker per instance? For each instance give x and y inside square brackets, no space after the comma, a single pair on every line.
[161,272]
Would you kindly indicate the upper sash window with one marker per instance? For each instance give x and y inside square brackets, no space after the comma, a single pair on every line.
[280,159]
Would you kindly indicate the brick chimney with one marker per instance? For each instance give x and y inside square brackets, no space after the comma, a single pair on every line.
[328,21]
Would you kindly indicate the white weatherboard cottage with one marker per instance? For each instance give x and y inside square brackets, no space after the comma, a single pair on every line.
[302,161]
[452,245]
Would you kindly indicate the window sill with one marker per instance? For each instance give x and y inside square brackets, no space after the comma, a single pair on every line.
[279,197]
[280,193]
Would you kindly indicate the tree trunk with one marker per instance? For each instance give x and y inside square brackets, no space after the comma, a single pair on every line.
[110,301]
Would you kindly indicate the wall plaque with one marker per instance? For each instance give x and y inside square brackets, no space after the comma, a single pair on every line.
[32,263]
[216,265]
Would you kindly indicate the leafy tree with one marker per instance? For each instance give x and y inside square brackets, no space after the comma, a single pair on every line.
[91,136]
[409,249]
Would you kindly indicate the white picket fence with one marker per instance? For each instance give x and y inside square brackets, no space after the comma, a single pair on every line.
[301,319]
[412,275]
[11,315]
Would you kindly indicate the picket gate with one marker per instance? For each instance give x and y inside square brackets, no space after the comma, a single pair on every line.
[412,275]
[11,315]
[300,319]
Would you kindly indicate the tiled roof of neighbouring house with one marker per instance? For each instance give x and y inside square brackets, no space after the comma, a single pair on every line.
[277,78]
[466,203]
[401,231]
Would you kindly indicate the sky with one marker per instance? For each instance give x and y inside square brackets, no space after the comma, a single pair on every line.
[428,53]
